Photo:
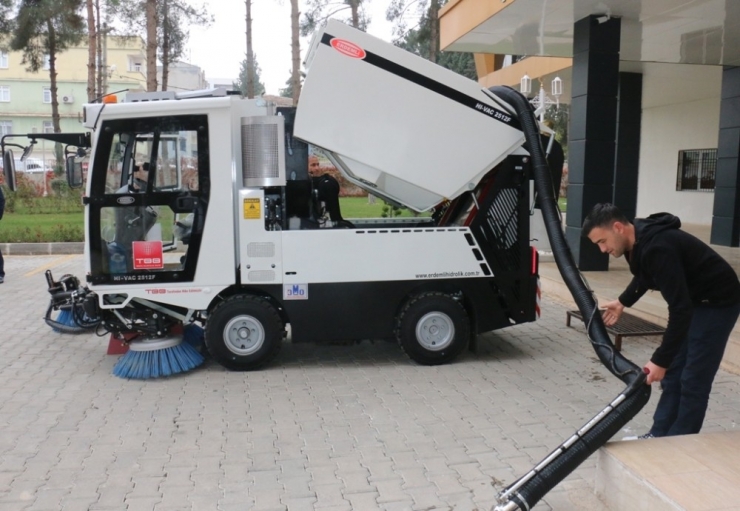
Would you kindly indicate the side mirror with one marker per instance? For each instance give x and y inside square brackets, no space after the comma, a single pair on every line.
[28,150]
[74,172]
[9,169]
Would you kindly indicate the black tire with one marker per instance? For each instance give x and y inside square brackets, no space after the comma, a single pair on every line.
[244,333]
[433,328]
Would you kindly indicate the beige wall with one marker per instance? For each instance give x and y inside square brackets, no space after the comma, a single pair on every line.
[672,121]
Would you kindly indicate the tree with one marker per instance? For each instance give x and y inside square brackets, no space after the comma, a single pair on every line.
[422,16]
[287,92]
[559,117]
[92,40]
[251,69]
[151,44]
[241,84]
[423,36]
[165,23]
[175,16]
[295,50]
[319,11]
[6,7]
[43,29]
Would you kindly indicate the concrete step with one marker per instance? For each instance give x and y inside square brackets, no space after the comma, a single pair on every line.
[686,473]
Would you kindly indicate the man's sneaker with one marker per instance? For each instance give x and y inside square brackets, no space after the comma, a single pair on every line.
[2,279]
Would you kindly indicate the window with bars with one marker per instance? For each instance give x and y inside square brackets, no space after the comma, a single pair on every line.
[696,170]
[6,127]
[47,95]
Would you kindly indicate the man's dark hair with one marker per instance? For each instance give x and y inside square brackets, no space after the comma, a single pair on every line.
[602,215]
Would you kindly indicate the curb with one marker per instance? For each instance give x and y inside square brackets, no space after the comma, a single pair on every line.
[42,248]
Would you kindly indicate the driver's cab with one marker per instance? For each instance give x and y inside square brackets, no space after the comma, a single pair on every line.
[148,199]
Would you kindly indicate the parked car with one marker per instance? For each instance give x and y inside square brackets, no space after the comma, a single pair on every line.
[31,165]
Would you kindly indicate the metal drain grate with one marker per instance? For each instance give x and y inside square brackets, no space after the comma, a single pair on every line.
[627,326]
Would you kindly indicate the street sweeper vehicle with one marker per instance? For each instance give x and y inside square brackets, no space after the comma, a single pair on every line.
[199,209]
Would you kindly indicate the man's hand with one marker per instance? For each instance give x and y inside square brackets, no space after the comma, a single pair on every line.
[655,373]
[613,312]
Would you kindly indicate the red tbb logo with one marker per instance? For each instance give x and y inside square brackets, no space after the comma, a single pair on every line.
[148,255]
[348,48]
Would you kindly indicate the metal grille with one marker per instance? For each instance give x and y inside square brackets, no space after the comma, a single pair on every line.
[261,150]
[261,276]
[696,169]
[501,229]
[261,249]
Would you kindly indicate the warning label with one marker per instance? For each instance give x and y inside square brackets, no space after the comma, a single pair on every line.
[252,209]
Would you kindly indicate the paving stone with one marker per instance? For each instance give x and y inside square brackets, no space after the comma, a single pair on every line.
[324,428]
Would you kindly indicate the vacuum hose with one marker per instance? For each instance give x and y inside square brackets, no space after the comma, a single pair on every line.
[528,490]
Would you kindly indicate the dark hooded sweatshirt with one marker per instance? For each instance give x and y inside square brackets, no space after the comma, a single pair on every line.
[686,271]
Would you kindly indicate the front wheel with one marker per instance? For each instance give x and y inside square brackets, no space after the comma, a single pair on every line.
[244,332]
[433,328]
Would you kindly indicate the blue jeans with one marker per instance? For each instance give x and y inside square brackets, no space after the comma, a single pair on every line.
[689,379]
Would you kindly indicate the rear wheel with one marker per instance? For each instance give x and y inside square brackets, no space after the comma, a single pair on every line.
[433,328]
[244,333]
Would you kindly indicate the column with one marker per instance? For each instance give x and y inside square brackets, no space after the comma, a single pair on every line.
[593,128]
[629,115]
[725,221]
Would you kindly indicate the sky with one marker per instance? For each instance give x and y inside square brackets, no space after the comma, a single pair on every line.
[220,48]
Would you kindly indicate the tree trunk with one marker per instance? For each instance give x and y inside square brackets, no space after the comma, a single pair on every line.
[151,45]
[295,77]
[99,50]
[434,30]
[54,94]
[354,5]
[250,54]
[165,45]
[53,77]
[91,51]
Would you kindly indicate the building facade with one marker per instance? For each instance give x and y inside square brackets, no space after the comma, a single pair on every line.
[25,96]
[653,88]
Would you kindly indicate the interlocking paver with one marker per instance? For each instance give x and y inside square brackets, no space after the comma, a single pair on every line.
[325,428]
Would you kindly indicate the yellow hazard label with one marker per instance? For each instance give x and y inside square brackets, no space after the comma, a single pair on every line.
[252,209]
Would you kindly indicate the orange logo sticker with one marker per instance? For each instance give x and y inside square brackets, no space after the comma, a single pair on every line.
[348,48]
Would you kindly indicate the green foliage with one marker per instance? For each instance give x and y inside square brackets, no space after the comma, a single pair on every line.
[317,12]
[390,210]
[287,92]
[36,220]
[462,63]
[414,26]
[46,27]
[559,117]
[173,19]
[241,83]
[51,233]
[6,7]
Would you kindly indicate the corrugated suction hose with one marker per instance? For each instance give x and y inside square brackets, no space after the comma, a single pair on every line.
[530,488]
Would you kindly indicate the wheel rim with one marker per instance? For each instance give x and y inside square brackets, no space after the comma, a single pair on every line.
[435,331]
[244,335]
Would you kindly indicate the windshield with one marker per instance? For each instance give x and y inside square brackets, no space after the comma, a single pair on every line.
[148,185]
